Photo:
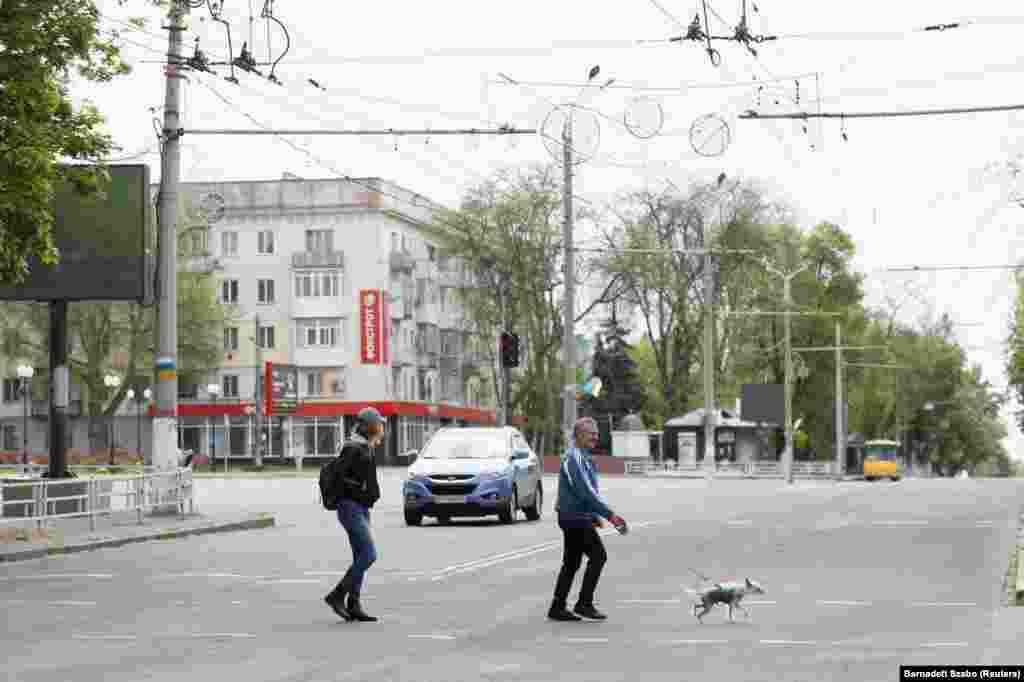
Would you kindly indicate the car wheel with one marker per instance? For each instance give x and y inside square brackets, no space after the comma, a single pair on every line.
[413,518]
[444,519]
[533,513]
[508,513]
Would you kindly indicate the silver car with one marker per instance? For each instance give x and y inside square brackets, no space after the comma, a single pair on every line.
[474,472]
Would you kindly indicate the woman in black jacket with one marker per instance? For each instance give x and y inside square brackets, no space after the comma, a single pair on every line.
[360,491]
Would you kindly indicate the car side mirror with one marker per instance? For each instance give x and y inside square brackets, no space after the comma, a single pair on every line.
[520,454]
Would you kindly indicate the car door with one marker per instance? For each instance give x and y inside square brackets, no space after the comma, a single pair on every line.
[529,468]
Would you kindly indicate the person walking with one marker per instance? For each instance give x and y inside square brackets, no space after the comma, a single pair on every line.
[359,490]
[580,509]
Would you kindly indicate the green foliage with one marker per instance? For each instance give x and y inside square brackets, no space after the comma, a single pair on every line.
[43,41]
[120,337]
[1015,346]
[621,391]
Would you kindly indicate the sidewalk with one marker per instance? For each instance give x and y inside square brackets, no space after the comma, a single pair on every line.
[66,536]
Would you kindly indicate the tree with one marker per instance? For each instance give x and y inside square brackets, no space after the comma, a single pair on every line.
[621,391]
[508,231]
[41,41]
[1015,346]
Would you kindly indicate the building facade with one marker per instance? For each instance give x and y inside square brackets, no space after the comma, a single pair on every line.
[338,280]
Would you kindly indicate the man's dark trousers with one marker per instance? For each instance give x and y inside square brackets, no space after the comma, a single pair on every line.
[580,541]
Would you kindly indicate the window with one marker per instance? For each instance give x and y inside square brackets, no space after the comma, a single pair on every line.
[314,383]
[319,241]
[11,392]
[230,339]
[430,252]
[318,333]
[229,291]
[229,385]
[265,290]
[265,239]
[317,284]
[265,336]
[10,437]
[394,242]
[229,243]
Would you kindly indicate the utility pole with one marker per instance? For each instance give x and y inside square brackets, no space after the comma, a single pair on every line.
[787,278]
[840,432]
[165,434]
[710,416]
[258,397]
[568,325]
[506,388]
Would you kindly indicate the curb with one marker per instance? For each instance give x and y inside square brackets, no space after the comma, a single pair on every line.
[259,521]
[1020,575]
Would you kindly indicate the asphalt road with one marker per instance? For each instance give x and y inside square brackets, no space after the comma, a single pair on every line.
[860,578]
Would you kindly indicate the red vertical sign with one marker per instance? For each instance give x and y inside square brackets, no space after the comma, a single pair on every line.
[268,388]
[369,326]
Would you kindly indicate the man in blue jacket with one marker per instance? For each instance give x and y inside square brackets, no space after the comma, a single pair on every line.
[580,508]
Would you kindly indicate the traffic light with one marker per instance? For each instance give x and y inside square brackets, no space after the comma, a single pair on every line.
[509,349]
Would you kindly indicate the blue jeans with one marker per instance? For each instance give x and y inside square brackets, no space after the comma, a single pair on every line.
[355,518]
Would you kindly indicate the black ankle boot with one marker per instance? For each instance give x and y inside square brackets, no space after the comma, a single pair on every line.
[355,609]
[336,598]
[559,612]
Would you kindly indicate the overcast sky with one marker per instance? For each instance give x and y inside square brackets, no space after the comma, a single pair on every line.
[928,191]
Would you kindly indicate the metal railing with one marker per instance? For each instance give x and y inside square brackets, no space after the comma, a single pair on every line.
[41,500]
[757,469]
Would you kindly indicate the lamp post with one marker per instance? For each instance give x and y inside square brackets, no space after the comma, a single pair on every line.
[214,391]
[25,374]
[113,382]
[787,454]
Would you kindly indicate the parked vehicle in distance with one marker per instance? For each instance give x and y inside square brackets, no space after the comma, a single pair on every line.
[477,471]
[881,459]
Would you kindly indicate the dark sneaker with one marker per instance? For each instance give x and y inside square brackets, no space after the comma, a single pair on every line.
[561,613]
[588,611]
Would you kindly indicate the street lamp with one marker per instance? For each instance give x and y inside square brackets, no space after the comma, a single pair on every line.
[214,391]
[787,454]
[113,382]
[25,374]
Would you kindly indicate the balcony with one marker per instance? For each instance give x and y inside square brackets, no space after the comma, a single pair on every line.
[401,262]
[318,259]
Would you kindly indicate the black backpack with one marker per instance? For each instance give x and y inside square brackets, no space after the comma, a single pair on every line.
[331,473]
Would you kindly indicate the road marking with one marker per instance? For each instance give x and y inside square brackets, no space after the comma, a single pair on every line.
[523,551]
[586,640]
[291,581]
[935,645]
[444,637]
[787,641]
[66,602]
[106,637]
[215,635]
[695,641]
[488,564]
[50,576]
[651,601]
[943,603]
[844,603]
[740,522]
[760,603]
[899,523]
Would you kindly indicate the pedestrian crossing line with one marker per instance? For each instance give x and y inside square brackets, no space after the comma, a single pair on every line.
[441,637]
[787,642]
[937,645]
[843,603]
[91,637]
[585,640]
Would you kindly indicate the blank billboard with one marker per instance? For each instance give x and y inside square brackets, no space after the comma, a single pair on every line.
[763,403]
[102,243]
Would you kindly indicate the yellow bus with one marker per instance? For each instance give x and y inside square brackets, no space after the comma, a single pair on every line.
[881,460]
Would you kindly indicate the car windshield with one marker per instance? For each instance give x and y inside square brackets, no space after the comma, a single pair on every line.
[466,446]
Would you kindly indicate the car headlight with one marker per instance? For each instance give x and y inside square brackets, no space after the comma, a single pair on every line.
[494,475]
[413,476]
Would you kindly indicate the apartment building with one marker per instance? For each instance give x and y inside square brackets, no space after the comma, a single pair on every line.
[337,279]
